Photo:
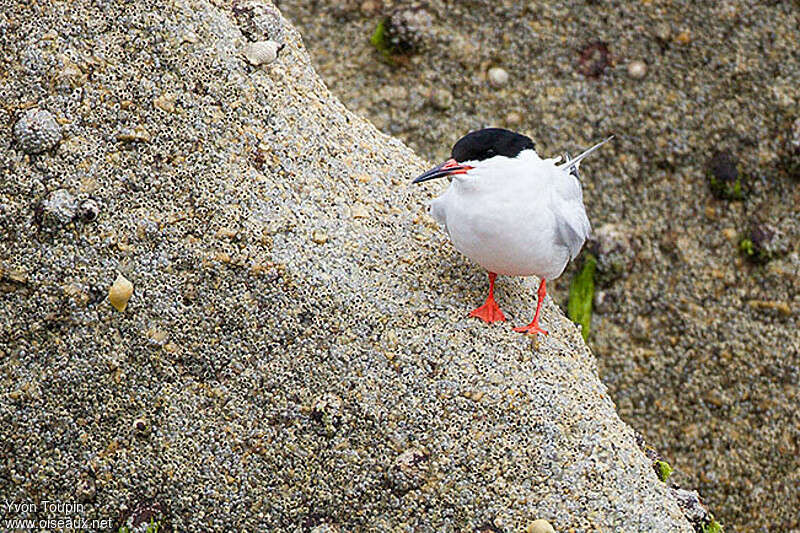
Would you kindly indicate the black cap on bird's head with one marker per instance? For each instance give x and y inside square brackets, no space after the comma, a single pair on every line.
[478,146]
[491,142]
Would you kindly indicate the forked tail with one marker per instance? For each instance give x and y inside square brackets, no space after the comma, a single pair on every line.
[573,164]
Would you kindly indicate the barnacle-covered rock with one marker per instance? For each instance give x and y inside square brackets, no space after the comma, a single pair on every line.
[57,210]
[791,148]
[258,20]
[611,245]
[762,243]
[261,285]
[403,31]
[36,131]
[88,210]
[408,470]
[724,177]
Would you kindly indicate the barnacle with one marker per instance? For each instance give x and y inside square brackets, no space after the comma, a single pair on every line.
[37,131]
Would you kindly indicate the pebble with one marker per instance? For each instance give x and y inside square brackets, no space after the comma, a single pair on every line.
[594,60]
[637,69]
[261,52]
[441,99]
[513,119]
[141,426]
[540,526]
[166,102]
[724,178]
[120,292]
[88,210]
[498,76]
[36,131]
[134,134]
[58,209]
[319,236]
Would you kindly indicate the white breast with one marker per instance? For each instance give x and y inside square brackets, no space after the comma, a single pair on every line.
[515,217]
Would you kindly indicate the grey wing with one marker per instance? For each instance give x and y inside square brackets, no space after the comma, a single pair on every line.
[572,224]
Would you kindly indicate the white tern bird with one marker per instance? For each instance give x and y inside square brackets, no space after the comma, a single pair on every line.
[511,211]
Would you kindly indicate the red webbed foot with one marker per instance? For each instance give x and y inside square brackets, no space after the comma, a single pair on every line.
[531,329]
[489,312]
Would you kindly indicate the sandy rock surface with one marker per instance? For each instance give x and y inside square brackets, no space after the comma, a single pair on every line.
[293,352]
[698,346]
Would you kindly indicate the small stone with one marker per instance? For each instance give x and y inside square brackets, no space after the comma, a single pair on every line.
[403,31]
[408,470]
[259,20]
[594,60]
[261,52]
[135,134]
[141,426]
[723,176]
[603,302]
[540,526]
[610,243]
[359,211]
[684,37]
[763,243]
[166,102]
[120,292]
[498,76]
[319,236]
[325,528]
[781,307]
[86,490]
[442,99]
[513,119]
[88,210]
[327,411]
[369,7]
[663,31]
[637,69]
[36,131]
[58,210]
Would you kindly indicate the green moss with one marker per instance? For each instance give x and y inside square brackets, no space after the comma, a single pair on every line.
[581,293]
[726,190]
[380,41]
[746,247]
[753,253]
[712,527]
[664,470]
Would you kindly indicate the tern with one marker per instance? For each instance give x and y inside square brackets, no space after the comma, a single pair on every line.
[511,211]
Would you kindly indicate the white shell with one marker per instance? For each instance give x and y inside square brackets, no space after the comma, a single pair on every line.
[261,52]
[498,76]
[637,69]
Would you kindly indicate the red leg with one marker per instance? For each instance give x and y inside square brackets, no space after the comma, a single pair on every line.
[490,311]
[533,327]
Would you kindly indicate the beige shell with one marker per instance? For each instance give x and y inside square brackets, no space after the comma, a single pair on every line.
[120,292]
[540,526]
[261,52]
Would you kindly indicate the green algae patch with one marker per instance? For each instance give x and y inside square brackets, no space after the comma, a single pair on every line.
[712,527]
[664,470]
[726,190]
[581,294]
[380,40]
